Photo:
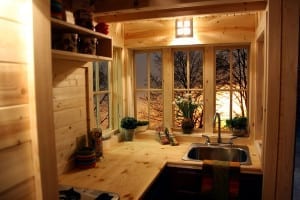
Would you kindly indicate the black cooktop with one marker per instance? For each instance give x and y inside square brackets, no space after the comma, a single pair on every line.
[75,193]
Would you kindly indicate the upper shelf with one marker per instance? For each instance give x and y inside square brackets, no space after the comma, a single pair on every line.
[104,50]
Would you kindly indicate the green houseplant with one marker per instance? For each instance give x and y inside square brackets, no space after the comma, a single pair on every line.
[128,125]
[238,125]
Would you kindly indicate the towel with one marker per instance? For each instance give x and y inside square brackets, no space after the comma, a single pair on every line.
[220,180]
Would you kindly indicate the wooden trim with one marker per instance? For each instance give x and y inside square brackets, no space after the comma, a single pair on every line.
[43,138]
[288,97]
[272,76]
[180,11]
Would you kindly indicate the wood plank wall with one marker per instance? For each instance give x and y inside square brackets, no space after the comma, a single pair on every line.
[70,110]
[218,29]
[16,163]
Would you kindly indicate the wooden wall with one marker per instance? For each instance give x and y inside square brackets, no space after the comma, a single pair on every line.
[16,163]
[217,29]
[70,110]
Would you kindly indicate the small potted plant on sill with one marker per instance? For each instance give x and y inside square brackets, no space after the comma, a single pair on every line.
[142,125]
[238,125]
[128,125]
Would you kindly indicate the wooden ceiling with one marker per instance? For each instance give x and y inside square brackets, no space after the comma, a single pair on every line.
[127,10]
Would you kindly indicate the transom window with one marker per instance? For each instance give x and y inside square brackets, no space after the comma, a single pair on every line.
[148,87]
[231,82]
[188,78]
[101,94]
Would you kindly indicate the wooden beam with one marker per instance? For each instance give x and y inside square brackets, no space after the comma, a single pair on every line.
[142,5]
[180,11]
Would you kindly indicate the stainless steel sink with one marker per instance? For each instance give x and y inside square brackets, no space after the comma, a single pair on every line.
[234,153]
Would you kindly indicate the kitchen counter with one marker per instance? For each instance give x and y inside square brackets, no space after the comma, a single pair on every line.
[130,167]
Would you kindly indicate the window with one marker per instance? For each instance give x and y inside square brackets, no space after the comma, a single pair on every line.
[101,94]
[188,78]
[231,82]
[148,87]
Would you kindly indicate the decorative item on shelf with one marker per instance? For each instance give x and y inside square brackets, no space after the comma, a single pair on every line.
[95,142]
[128,125]
[187,108]
[85,158]
[64,41]
[57,10]
[141,125]
[84,18]
[102,27]
[87,44]
[238,126]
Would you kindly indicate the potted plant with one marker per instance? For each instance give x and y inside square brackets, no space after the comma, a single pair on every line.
[238,125]
[142,125]
[187,107]
[128,124]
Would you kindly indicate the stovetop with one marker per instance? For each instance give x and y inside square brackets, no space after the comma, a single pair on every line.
[75,193]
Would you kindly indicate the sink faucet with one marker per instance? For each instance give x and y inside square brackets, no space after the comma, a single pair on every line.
[217,115]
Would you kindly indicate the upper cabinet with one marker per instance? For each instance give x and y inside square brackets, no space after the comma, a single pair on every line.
[73,42]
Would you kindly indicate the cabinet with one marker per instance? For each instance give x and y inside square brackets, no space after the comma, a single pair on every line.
[104,47]
[185,183]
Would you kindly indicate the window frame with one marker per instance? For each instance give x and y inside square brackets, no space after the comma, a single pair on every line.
[202,90]
[101,92]
[148,90]
[230,90]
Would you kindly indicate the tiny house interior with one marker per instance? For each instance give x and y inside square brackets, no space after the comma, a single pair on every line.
[51,99]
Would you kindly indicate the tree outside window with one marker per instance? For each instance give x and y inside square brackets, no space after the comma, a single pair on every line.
[101,94]
[188,78]
[148,87]
[231,82]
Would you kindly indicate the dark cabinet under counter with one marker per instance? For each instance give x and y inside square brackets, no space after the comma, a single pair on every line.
[178,183]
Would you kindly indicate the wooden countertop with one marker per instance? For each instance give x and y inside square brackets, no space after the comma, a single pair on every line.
[130,167]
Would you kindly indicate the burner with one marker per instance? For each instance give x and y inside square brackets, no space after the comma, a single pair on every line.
[74,193]
[69,195]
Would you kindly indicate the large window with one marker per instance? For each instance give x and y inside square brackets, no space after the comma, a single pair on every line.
[231,82]
[148,87]
[188,78]
[101,94]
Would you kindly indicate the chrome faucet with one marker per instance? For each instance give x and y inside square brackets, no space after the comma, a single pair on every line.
[217,115]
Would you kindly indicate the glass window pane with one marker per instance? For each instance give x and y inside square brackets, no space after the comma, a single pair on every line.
[223,106]
[103,75]
[156,110]
[196,69]
[222,69]
[142,105]
[239,68]
[155,70]
[140,61]
[101,110]
[180,72]
[239,102]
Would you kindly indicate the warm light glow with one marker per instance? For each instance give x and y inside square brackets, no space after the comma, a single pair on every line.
[184,27]
[185,41]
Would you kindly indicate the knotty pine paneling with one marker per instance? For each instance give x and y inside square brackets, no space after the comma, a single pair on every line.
[70,110]
[13,84]
[13,42]
[217,29]
[16,161]
[22,191]
[14,125]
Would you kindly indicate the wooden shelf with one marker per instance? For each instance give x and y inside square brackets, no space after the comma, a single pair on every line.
[67,27]
[67,55]
[104,51]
